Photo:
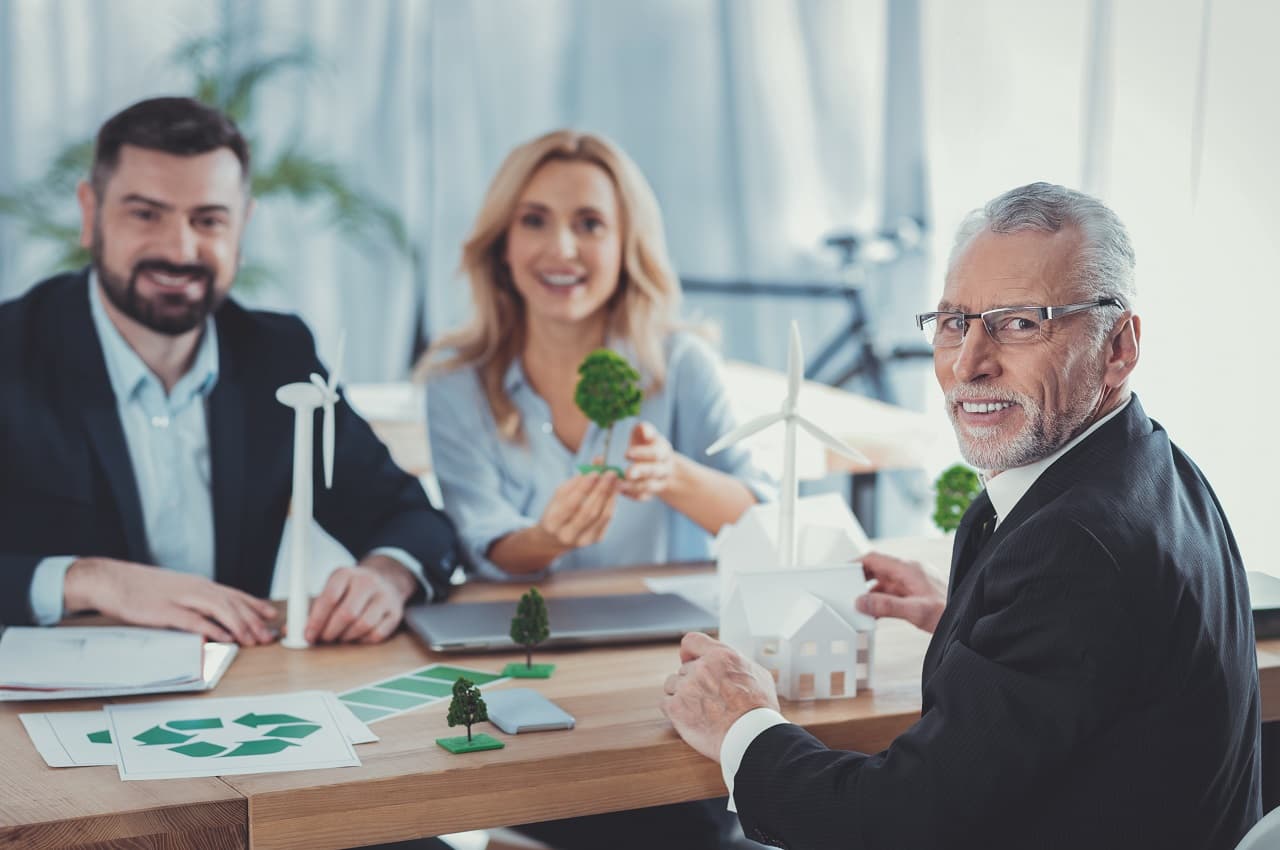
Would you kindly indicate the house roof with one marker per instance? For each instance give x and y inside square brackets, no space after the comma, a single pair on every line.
[774,610]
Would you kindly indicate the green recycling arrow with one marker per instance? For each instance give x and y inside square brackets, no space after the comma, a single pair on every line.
[160,735]
[199,749]
[198,723]
[265,747]
[102,736]
[253,720]
[296,730]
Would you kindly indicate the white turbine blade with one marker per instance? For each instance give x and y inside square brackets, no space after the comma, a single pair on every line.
[337,362]
[795,367]
[329,400]
[329,397]
[743,431]
[834,443]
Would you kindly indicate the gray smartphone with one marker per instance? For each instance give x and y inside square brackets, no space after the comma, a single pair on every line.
[516,710]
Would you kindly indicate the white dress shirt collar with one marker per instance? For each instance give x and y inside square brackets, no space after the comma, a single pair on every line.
[1007,489]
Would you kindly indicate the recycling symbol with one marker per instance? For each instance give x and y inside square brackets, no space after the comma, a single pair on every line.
[184,736]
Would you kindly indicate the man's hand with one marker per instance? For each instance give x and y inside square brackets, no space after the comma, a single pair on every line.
[907,590]
[713,687]
[153,596]
[580,510]
[652,463]
[361,604]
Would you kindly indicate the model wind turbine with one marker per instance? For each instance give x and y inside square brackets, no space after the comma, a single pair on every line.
[304,397]
[790,416]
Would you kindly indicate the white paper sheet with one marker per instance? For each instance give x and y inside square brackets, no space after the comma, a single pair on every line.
[82,738]
[701,590]
[223,737]
[217,658]
[98,657]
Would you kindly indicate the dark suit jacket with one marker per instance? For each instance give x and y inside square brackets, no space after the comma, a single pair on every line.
[1092,683]
[66,481]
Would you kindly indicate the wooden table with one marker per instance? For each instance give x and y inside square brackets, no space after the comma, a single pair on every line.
[622,755]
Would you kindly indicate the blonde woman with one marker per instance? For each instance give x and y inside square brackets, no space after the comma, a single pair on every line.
[568,255]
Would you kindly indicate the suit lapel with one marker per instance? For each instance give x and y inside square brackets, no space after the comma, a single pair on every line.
[88,390]
[1104,447]
[961,555]
[226,419]
[962,564]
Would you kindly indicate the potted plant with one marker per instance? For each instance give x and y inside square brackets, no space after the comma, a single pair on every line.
[956,487]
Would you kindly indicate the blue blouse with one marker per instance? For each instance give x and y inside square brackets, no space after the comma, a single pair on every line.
[492,486]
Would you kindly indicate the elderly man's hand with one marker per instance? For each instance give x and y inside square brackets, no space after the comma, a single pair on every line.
[907,590]
[713,687]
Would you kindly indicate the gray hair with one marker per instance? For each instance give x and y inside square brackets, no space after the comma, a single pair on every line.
[1104,266]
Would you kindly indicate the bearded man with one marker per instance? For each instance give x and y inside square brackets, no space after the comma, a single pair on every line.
[146,464]
[1091,681]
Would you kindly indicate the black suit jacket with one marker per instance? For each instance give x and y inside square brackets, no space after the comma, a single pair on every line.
[1092,682]
[66,481]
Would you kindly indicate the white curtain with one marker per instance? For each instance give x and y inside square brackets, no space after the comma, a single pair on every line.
[1166,109]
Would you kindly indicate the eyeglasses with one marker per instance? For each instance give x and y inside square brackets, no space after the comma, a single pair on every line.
[1005,325]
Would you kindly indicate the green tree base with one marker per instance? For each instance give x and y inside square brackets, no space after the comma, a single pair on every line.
[478,742]
[516,670]
[587,468]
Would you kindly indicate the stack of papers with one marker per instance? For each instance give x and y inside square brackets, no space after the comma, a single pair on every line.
[94,661]
[206,737]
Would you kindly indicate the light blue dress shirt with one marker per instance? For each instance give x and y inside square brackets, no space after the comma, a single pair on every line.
[492,486]
[167,436]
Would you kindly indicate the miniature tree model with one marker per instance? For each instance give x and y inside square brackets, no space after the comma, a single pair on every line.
[608,391]
[530,627]
[467,707]
[957,487]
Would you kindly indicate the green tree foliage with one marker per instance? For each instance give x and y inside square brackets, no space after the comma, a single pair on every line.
[530,625]
[46,210]
[957,487]
[608,390]
[467,706]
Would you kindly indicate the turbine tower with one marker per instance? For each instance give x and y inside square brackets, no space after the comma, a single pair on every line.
[304,397]
[790,416]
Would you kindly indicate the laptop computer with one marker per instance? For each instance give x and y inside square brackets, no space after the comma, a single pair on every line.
[575,621]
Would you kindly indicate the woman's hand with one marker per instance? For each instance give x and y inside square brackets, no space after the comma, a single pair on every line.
[653,464]
[580,510]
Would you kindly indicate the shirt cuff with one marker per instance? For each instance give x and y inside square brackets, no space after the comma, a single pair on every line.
[411,564]
[46,589]
[739,737]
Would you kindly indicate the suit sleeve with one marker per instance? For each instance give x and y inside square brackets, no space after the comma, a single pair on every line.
[1047,665]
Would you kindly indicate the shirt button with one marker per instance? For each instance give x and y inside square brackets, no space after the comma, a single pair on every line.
[546,427]
[159,421]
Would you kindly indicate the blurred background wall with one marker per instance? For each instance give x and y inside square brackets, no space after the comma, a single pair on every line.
[765,126]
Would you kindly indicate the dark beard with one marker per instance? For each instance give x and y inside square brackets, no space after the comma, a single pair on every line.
[123,294]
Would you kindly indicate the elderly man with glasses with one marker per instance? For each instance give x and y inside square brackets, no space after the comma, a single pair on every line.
[1091,681]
